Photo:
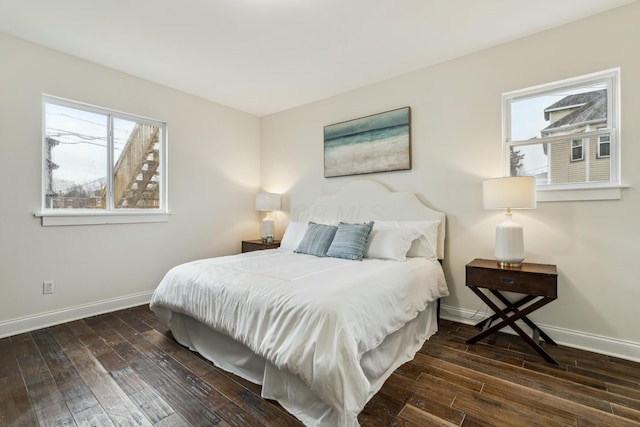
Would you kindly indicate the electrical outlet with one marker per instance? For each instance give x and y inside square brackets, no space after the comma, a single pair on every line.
[48,287]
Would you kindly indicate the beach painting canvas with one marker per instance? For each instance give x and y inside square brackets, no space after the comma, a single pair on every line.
[377,143]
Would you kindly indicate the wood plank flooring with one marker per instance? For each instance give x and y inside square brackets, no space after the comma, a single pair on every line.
[124,369]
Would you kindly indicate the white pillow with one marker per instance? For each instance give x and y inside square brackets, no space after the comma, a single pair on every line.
[293,235]
[390,243]
[426,245]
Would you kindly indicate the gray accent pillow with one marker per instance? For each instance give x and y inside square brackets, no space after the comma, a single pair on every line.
[350,241]
[317,239]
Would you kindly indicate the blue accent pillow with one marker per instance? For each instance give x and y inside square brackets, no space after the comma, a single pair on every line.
[317,239]
[350,241]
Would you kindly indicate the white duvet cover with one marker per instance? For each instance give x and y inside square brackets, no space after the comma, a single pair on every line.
[311,317]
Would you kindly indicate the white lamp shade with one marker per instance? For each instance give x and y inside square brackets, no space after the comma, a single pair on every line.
[267,202]
[512,192]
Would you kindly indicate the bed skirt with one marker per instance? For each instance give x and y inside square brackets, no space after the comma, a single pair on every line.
[286,388]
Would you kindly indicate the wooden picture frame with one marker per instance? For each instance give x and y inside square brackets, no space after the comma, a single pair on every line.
[376,143]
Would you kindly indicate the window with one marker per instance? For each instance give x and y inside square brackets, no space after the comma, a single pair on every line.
[603,146]
[565,133]
[576,150]
[98,161]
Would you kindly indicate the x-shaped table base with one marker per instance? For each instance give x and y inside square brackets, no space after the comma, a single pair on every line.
[510,320]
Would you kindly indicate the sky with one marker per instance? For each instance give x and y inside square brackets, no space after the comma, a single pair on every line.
[82,152]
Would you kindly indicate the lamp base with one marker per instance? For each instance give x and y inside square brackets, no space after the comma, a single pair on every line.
[509,243]
[504,264]
[267,228]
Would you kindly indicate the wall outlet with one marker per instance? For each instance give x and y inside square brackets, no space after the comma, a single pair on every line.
[48,287]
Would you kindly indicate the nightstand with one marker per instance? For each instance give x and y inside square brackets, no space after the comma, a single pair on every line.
[538,283]
[258,245]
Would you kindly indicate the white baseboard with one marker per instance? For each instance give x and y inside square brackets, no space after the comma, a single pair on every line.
[56,317]
[599,344]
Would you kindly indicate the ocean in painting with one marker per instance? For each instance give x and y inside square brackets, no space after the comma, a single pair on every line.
[372,144]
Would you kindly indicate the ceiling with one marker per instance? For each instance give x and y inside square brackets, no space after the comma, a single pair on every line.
[265,56]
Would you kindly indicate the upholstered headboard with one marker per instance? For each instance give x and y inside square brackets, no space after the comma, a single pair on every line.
[365,200]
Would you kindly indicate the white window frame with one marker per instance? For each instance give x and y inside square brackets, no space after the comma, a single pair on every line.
[574,145]
[600,143]
[110,214]
[574,191]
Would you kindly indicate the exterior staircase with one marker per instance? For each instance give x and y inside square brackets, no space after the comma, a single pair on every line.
[135,184]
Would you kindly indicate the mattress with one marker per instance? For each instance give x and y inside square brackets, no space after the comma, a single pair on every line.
[319,334]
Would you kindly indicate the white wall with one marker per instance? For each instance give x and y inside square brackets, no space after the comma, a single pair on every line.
[214,171]
[456,134]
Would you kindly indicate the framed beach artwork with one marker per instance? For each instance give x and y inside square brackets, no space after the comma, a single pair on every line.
[376,143]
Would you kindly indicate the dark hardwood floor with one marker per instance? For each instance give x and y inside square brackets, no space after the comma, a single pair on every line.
[123,368]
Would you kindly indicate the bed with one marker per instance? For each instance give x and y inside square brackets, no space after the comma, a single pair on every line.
[320,334]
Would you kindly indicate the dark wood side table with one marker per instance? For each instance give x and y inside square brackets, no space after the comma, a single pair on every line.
[538,283]
[258,245]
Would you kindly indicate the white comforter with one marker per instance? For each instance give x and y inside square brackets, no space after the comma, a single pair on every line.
[313,317]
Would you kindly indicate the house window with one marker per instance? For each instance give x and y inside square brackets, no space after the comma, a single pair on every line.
[576,150]
[98,161]
[603,146]
[565,133]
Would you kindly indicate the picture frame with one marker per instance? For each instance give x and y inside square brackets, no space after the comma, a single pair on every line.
[376,143]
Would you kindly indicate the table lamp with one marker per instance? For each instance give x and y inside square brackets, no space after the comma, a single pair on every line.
[267,202]
[513,192]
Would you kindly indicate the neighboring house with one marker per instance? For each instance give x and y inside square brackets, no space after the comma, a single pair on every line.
[578,159]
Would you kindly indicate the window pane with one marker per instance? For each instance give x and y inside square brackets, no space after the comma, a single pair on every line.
[564,133]
[554,163]
[530,160]
[564,112]
[576,150]
[76,158]
[135,172]
[96,158]
[603,146]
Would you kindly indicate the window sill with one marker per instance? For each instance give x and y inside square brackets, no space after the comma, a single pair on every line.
[580,194]
[53,219]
